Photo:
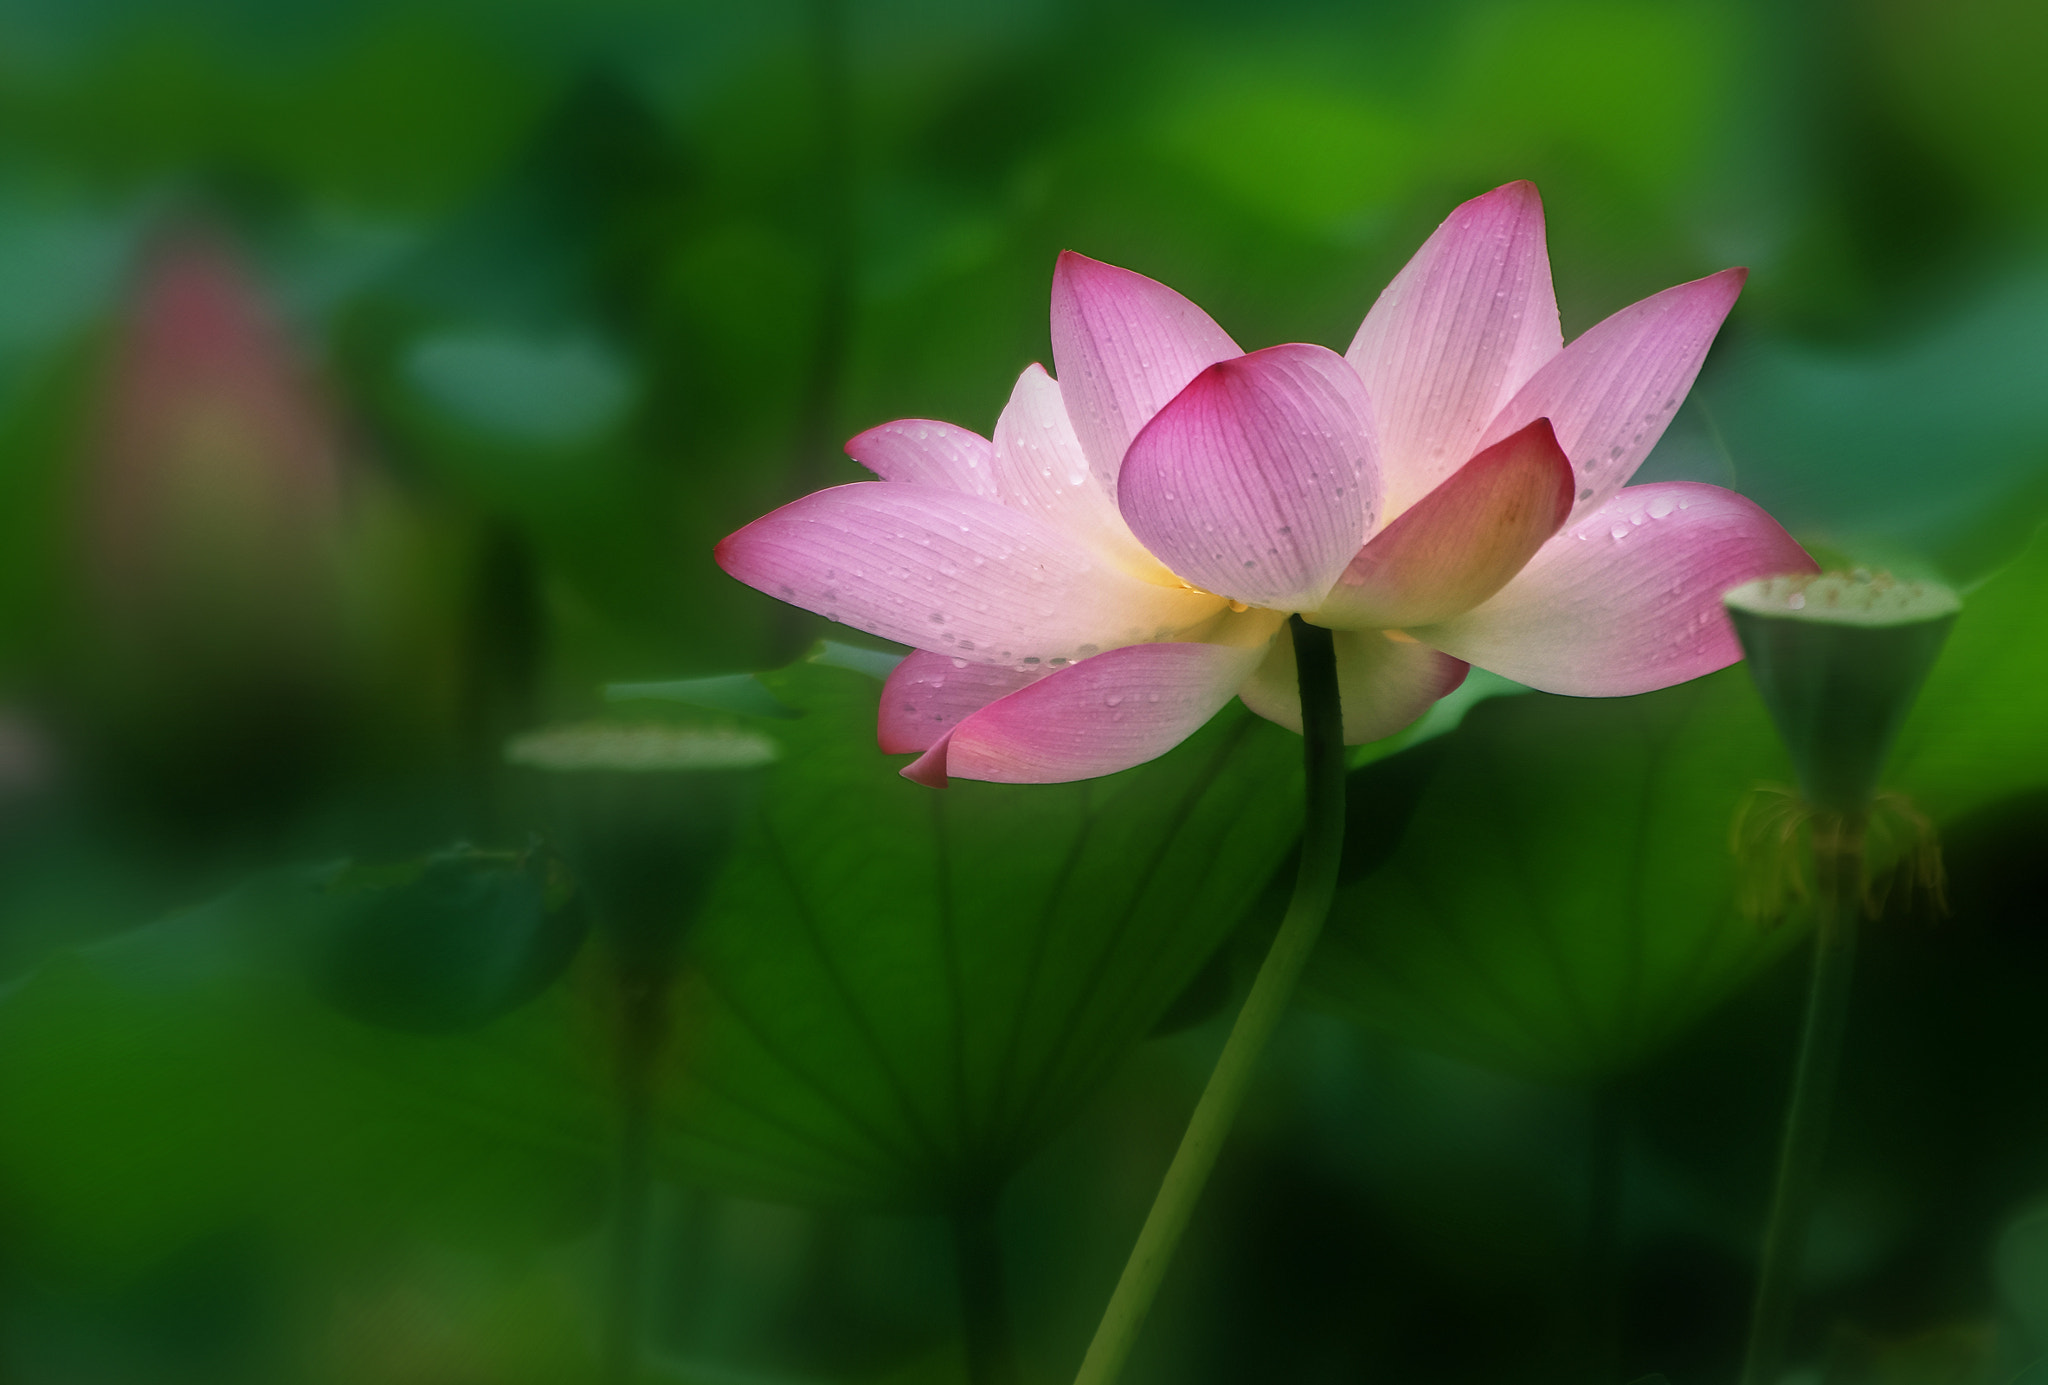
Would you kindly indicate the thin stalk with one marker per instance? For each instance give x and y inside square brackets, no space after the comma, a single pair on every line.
[984,1302]
[643,1029]
[1315,883]
[832,213]
[1838,872]
[1606,1195]
[832,210]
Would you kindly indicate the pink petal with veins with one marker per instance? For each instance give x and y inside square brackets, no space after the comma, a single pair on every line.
[1040,468]
[953,573]
[1383,683]
[1612,391]
[1456,333]
[1628,598]
[1259,481]
[1109,713]
[927,695]
[1123,345]
[924,451]
[1459,544]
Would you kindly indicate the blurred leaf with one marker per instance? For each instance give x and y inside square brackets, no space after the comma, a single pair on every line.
[127,1115]
[1929,446]
[731,692]
[175,1081]
[1531,80]
[523,390]
[449,941]
[897,994]
[2020,1269]
[397,105]
[1313,157]
[1978,732]
[1969,72]
[1562,901]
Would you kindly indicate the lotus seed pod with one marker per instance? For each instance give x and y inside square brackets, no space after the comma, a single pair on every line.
[1839,658]
[645,812]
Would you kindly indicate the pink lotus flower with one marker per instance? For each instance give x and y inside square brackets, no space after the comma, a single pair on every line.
[217,490]
[1087,589]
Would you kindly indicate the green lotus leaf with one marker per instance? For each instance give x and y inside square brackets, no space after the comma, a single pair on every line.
[1562,900]
[895,994]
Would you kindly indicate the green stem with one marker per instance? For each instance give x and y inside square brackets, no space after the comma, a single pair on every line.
[643,1028]
[984,1303]
[1838,871]
[1606,1193]
[1322,846]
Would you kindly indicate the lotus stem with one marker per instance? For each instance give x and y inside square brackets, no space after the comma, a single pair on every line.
[984,1304]
[1315,884]
[1607,1139]
[643,1030]
[1838,878]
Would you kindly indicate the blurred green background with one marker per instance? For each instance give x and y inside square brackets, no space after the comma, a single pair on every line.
[375,379]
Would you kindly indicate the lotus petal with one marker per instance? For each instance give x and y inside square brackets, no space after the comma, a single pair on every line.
[1385,681]
[1259,480]
[1102,715]
[924,451]
[928,694]
[1462,542]
[953,573]
[1123,345]
[1456,333]
[1611,393]
[1040,468]
[1627,599]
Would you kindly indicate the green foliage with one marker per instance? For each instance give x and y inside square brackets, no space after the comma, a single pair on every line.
[450,941]
[184,1078]
[1977,733]
[128,1115]
[588,286]
[1562,901]
[1925,449]
[897,994]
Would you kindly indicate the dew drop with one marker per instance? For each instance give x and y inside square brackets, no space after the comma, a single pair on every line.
[1620,531]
